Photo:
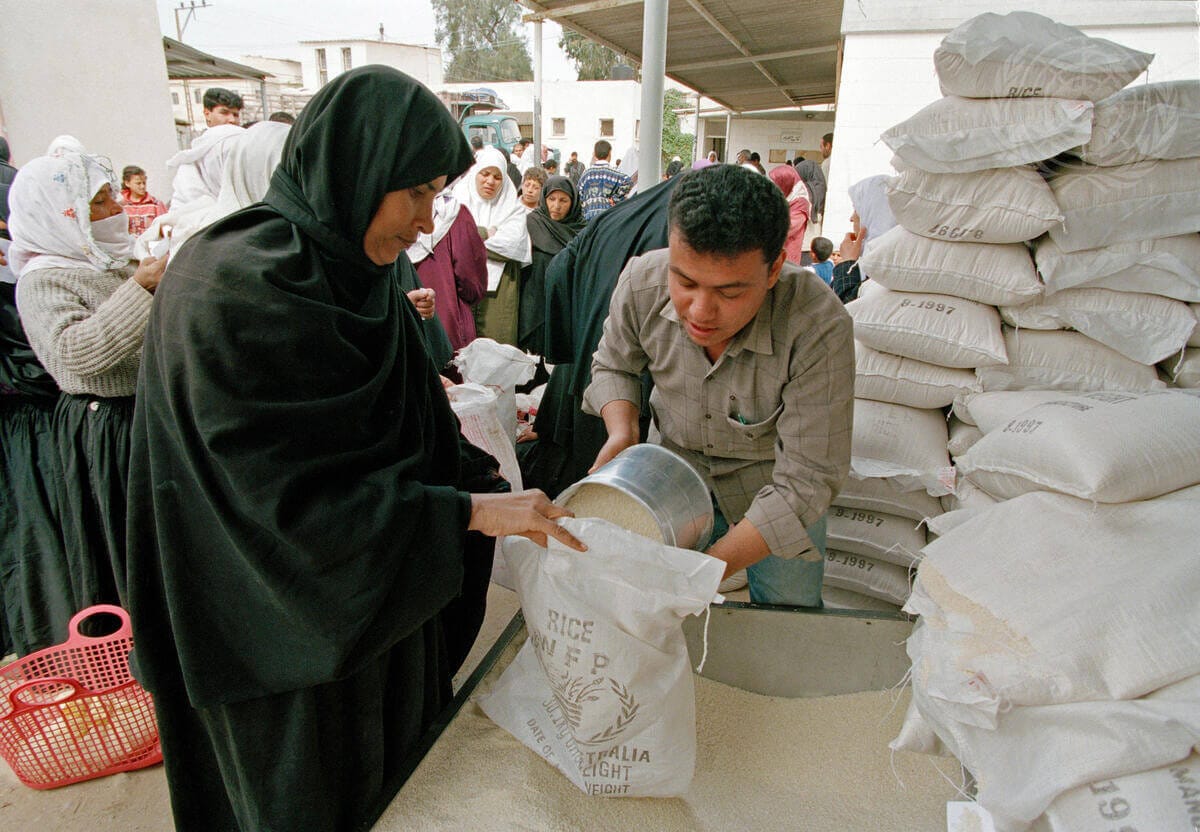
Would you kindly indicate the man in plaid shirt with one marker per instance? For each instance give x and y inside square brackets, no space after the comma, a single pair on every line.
[602,186]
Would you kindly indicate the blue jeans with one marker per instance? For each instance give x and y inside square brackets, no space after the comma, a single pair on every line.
[775,580]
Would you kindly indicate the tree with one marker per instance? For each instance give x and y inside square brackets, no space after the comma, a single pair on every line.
[484,40]
[593,62]
[674,143]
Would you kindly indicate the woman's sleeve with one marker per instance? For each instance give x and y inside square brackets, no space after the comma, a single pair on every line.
[468,258]
[511,240]
[87,342]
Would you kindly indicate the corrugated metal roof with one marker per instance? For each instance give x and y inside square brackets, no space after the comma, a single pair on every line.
[744,54]
[187,62]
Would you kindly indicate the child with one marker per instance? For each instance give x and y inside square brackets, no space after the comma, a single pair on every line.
[822,250]
[139,206]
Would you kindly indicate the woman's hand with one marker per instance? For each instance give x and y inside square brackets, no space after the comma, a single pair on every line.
[424,301]
[149,273]
[527,513]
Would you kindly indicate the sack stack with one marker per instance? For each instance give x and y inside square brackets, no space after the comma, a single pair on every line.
[1044,599]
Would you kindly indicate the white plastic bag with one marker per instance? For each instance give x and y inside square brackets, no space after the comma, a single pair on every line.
[603,688]
[492,364]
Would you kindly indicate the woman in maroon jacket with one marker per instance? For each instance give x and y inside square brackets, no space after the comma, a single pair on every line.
[453,262]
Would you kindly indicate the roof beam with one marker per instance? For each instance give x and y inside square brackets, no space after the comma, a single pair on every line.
[767,56]
[587,33]
[737,44]
[578,8]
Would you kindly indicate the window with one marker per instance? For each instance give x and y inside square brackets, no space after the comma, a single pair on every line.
[346,64]
[637,129]
[606,128]
[175,98]
[196,94]
[559,126]
[322,70]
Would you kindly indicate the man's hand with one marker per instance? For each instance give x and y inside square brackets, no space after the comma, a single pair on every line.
[527,513]
[621,421]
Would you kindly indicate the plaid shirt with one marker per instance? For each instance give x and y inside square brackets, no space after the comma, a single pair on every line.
[768,425]
[601,187]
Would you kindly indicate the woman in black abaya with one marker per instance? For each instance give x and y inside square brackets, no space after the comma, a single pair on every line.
[552,225]
[306,565]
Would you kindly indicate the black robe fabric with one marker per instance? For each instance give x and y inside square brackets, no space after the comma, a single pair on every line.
[298,549]
[547,238]
[579,286]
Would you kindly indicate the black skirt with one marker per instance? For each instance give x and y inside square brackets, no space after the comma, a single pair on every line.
[36,589]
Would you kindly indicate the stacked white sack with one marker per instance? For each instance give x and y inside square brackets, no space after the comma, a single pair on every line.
[1131,205]
[1041,627]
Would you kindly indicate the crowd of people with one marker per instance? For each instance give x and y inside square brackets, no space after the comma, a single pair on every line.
[226,411]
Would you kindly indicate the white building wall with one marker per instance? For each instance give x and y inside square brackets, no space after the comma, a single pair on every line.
[421,62]
[887,69]
[63,79]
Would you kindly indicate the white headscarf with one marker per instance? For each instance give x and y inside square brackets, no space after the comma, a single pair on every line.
[196,172]
[49,216]
[869,198]
[445,212]
[503,212]
[65,144]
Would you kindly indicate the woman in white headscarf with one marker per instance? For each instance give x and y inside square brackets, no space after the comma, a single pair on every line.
[246,158]
[492,200]
[84,306]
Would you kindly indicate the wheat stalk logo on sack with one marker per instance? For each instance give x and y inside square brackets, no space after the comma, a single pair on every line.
[601,723]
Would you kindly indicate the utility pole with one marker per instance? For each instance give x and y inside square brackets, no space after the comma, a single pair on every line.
[179,27]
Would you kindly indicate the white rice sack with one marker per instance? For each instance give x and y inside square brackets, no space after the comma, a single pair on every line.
[1037,754]
[892,378]
[1145,328]
[1184,372]
[844,599]
[1145,200]
[879,536]
[962,437]
[1149,121]
[1194,338]
[1064,361]
[885,581]
[991,411]
[1023,54]
[966,497]
[990,274]
[960,135]
[1169,266]
[903,443]
[605,673]
[1161,798]
[1046,599]
[936,329]
[889,497]
[1107,447]
[869,287]
[1001,205]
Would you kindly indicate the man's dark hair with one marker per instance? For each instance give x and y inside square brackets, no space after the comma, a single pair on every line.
[550,165]
[5,153]
[727,210]
[129,171]
[754,157]
[523,142]
[534,173]
[828,139]
[282,117]
[822,248]
[602,150]
[221,97]
[477,142]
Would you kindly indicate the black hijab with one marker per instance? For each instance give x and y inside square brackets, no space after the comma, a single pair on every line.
[550,235]
[293,487]
[814,179]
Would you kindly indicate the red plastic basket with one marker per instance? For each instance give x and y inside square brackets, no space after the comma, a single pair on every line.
[73,712]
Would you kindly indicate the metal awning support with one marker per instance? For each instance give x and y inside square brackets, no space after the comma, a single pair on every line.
[578,8]
[654,67]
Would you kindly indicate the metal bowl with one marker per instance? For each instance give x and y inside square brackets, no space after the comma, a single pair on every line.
[666,485]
